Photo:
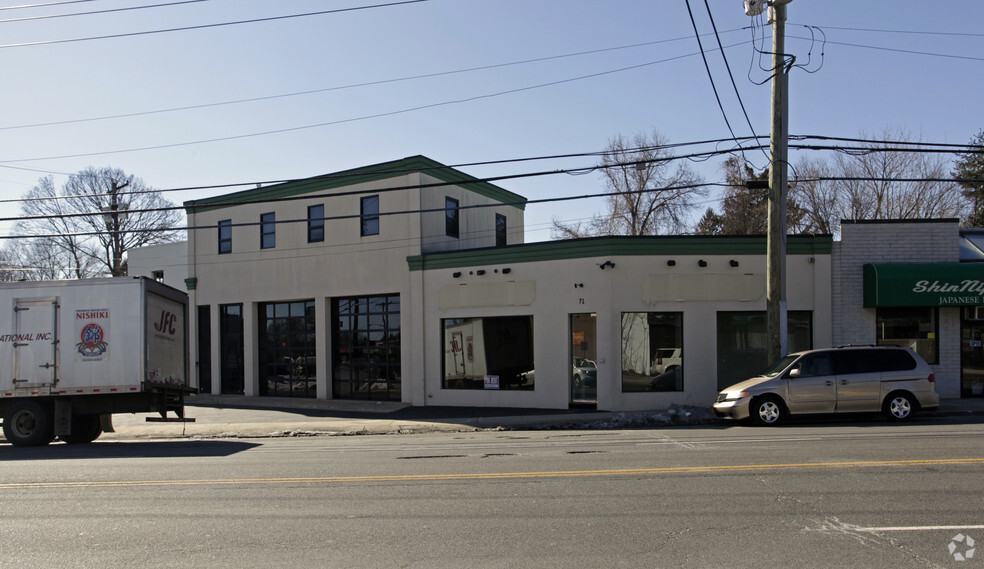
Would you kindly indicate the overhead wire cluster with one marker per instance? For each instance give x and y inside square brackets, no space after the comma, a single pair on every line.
[742,143]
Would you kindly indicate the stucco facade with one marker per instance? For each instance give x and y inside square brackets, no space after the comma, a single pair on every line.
[299,290]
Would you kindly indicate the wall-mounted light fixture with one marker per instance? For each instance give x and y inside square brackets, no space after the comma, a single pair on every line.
[702,263]
[733,263]
[456,274]
[671,263]
[607,264]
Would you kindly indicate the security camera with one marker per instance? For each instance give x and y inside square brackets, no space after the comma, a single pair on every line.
[754,7]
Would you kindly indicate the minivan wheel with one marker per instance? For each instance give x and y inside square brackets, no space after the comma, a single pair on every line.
[899,407]
[768,410]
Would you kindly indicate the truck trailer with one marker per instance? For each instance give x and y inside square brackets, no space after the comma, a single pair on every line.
[74,352]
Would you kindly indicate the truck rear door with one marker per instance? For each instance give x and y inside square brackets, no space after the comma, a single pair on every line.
[35,344]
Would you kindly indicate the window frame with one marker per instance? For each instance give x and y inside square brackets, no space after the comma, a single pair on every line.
[268,230]
[316,224]
[501,230]
[452,218]
[225,236]
[658,379]
[369,220]
[931,340]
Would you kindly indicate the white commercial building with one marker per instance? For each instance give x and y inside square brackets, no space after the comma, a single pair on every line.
[409,281]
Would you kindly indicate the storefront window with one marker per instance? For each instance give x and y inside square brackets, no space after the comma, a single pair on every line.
[913,327]
[742,342]
[287,349]
[652,351]
[366,348]
[488,353]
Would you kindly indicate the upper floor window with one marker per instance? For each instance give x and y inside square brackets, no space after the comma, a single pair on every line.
[268,231]
[316,223]
[225,236]
[500,230]
[370,215]
[451,226]
[157,276]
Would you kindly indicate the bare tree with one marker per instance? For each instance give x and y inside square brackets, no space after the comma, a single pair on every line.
[88,228]
[817,197]
[648,194]
[887,180]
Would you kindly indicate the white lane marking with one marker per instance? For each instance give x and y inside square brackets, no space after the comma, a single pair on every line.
[917,528]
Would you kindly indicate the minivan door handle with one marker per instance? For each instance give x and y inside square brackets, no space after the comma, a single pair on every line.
[843,382]
[829,383]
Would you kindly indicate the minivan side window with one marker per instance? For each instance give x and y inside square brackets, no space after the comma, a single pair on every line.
[815,365]
[894,360]
[857,361]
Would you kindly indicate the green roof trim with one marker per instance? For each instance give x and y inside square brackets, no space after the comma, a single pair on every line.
[375,172]
[619,246]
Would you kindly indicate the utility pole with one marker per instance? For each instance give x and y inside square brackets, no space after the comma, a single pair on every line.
[775,296]
[778,190]
[112,218]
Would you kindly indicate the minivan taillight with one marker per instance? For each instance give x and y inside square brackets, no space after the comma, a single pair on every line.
[932,378]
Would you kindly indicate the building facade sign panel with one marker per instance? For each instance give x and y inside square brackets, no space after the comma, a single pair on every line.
[923,284]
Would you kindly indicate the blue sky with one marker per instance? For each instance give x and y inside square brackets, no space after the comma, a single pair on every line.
[604,68]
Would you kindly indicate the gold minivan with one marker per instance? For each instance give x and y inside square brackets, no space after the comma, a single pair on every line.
[849,379]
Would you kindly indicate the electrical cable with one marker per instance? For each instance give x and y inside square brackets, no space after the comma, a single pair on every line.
[890,146]
[360,118]
[97,12]
[344,87]
[732,77]
[710,76]
[44,5]
[209,26]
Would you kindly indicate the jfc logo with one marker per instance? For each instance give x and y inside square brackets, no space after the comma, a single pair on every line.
[93,342]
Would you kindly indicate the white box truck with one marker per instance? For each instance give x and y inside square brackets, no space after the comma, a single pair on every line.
[72,353]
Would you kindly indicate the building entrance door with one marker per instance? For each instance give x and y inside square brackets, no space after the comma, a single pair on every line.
[584,360]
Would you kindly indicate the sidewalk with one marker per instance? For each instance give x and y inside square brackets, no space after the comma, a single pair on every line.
[257,417]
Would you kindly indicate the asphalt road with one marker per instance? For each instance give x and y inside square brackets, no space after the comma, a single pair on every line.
[840,494]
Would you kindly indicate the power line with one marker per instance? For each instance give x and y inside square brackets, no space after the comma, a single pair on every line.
[885,146]
[208,26]
[349,86]
[898,50]
[44,5]
[398,172]
[731,75]
[918,32]
[710,76]
[96,12]
[360,118]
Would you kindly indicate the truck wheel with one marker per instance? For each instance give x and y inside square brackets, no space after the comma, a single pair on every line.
[85,429]
[27,424]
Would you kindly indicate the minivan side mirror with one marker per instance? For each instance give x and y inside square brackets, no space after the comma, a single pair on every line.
[795,372]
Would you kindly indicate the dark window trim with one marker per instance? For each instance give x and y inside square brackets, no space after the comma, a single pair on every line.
[316,224]
[368,217]
[225,236]
[452,221]
[268,230]
[501,229]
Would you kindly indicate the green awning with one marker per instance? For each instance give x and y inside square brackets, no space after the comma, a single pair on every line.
[925,284]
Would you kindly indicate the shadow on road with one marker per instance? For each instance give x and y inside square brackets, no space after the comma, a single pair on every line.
[126,449]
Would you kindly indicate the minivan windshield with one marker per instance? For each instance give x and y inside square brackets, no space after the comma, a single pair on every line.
[776,368]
